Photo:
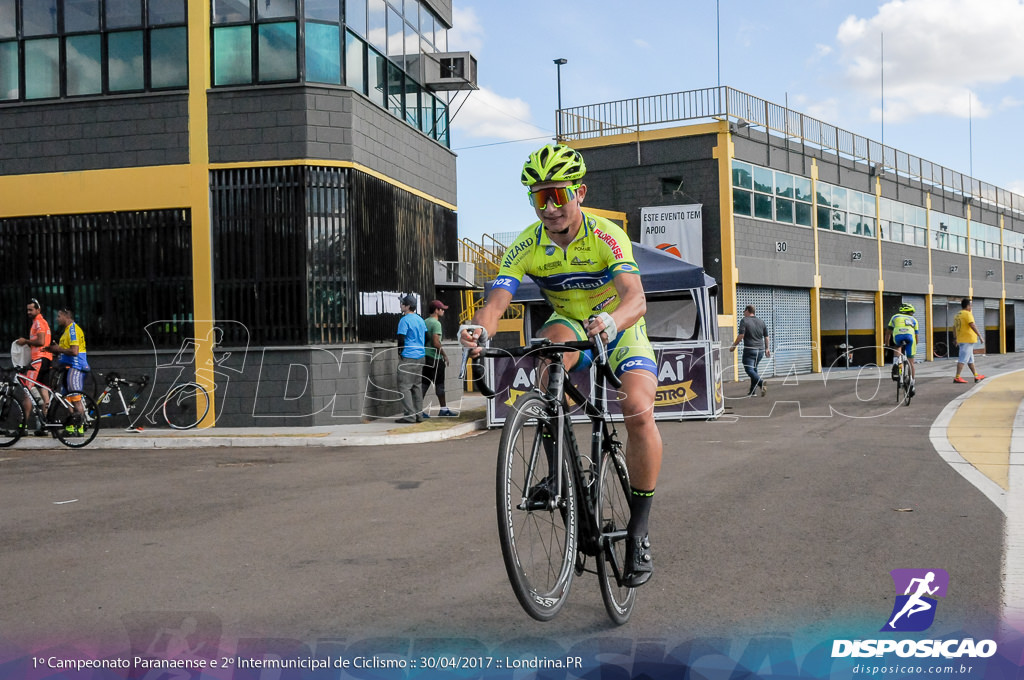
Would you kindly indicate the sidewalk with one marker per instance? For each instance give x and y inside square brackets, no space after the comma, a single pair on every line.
[378,432]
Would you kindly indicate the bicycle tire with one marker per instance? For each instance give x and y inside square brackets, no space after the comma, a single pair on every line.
[908,380]
[89,423]
[613,517]
[538,545]
[12,420]
[185,406]
[900,387]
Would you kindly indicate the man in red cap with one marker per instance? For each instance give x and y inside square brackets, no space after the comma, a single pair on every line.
[436,359]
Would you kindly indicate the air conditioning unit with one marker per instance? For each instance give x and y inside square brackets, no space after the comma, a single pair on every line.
[446,71]
[454,274]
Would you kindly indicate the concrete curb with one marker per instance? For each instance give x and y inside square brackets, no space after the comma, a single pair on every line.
[258,439]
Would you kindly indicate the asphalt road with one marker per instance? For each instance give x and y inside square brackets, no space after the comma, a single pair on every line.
[781,518]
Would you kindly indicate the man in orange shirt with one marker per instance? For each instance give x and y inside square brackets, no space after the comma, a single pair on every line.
[39,340]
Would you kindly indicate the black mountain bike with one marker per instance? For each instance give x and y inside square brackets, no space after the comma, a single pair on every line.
[557,506]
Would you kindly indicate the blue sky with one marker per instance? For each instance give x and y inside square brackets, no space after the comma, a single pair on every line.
[953,76]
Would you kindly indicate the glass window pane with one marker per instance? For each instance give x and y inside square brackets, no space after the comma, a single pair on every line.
[232,55]
[8,29]
[920,238]
[168,49]
[824,217]
[166,12]
[228,11]
[429,117]
[396,90]
[784,210]
[377,33]
[39,17]
[275,9]
[278,52]
[802,187]
[42,68]
[412,103]
[377,71]
[412,13]
[412,41]
[742,175]
[869,205]
[838,220]
[9,71]
[84,64]
[742,203]
[824,195]
[124,13]
[396,36]
[323,53]
[868,225]
[355,16]
[355,62]
[427,23]
[803,214]
[763,206]
[81,15]
[783,185]
[896,210]
[763,180]
[325,10]
[839,198]
[124,61]
[440,37]
[856,204]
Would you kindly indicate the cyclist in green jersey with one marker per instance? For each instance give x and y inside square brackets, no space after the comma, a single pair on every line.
[902,330]
[584,264]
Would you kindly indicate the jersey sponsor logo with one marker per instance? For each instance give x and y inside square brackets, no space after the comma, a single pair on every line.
[505,282]
[515,251]
[603,303]
[612,243]
[626,267]
[549,251]
[577,261]
[556,264]
[581,281]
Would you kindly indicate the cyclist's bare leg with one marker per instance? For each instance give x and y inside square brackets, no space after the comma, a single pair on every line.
[644,446]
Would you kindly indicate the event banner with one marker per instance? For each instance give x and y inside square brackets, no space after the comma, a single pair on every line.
[686,388]
[675,229]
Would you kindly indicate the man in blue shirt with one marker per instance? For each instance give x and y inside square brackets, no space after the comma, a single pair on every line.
[412,333]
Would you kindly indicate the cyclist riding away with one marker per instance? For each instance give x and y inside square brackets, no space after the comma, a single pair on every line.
[584,264]
[902,330]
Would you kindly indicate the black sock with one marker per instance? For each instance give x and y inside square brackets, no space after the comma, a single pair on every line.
[639,509]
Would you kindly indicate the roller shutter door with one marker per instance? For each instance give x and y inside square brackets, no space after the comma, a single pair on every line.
[1018,326]
[920,314]
[787,313]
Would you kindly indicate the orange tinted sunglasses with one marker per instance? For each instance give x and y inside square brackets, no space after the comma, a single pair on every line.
[558,195]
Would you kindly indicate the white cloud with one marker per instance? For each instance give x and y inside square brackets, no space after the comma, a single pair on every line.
[487,114]
[467,33]
[642,44]
[935,53]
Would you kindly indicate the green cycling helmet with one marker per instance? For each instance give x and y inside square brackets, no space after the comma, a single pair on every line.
[553,163]
[906,309]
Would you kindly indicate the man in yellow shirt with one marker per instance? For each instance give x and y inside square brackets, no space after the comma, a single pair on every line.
[967,335]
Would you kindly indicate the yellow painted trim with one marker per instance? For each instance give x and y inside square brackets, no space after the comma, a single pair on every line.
[203,312]
[929,327]
[928,296]
[333,164]
[1002,294]
[852,331]
[723,153]
[718,127]
[816,361]
[94,191]
[970,256]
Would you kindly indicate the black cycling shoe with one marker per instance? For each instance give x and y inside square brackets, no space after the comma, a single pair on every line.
[639,564]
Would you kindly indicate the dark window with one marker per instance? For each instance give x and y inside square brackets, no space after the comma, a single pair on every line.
[81,16]
[124,13]
[39,17]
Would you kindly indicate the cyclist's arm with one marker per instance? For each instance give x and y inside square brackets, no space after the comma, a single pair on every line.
[887,337]
[632,304]
[488,315]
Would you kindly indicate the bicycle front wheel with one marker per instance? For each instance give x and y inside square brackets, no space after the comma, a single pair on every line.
[901,388]
[186,405]
[613,517]
[12,420]
[77,427]
[537,520]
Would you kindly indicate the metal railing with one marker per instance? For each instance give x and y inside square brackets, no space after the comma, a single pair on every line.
[593,121]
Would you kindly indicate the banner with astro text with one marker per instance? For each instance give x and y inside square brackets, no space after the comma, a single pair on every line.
[676,229]
[685,384]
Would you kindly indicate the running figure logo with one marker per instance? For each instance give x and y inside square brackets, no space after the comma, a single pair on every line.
[914,609]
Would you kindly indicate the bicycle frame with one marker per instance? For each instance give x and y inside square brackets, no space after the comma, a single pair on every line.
[37,403]
[114,385]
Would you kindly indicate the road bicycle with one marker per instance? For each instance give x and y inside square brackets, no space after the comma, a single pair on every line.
[557,506]
[904,380]
[72,426]
[182,407]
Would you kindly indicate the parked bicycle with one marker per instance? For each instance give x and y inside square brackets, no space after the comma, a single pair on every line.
[182,407]
[557,506]
[70,417]
[904,380]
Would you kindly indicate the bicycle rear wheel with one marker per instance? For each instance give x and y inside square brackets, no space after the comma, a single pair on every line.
[186,405]
[538,536]
[907,382]
[12,420]
[901,388]
[612,518]
[76,429]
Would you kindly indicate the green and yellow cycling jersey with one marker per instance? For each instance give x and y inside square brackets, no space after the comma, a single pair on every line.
[578,281]
[903,324]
